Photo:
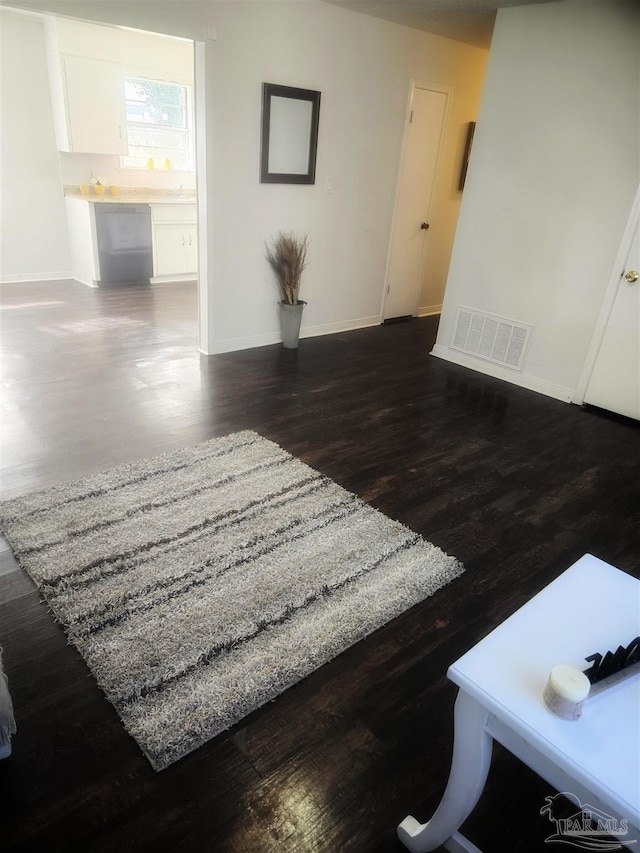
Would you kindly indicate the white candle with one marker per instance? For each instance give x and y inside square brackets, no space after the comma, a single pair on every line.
[569,683]
[566,690]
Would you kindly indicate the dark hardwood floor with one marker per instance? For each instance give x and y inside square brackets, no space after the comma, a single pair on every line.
[517,485]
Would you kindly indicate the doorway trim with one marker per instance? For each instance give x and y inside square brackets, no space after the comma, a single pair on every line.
[200,114]
[607,302]
[443,89]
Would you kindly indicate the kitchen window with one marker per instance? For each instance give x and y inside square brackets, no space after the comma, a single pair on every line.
[159,125]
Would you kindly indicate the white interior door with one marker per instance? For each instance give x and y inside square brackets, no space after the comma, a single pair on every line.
[615,381]
[410,233]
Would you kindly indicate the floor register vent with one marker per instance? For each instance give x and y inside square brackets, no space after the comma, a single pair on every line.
[492,338]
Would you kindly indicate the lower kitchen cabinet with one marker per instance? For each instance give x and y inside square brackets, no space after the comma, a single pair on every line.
[176,249]
[174,237]
[175,240]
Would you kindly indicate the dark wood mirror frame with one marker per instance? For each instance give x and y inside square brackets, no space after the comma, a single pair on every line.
[310,103]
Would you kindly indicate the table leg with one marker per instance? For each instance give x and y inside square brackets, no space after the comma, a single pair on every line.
[469,768]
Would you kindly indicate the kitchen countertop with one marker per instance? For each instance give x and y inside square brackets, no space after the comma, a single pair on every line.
[134,195]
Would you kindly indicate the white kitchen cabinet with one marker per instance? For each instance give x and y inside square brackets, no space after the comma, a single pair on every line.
[175,239]
[95,112]
[192,248]
[87,96]
[83,239]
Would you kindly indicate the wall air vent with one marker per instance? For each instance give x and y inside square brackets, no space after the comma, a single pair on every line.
[492,338]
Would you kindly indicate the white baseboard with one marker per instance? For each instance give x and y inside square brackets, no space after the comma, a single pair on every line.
[35,276]
[429,310]
[343,326]
[234,344]
[532,383]
[165,279]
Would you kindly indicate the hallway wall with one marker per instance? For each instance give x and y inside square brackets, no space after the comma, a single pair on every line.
[553,174]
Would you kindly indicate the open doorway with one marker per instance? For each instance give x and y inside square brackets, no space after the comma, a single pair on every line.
[61,151]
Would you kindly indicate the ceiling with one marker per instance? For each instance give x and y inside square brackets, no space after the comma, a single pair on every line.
[469,21]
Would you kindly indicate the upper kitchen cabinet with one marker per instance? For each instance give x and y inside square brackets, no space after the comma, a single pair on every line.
[94,106]
[87,91]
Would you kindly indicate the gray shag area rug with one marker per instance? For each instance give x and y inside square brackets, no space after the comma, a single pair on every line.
[200,584]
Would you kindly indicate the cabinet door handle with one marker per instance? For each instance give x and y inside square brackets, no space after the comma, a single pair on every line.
[183,239]
[189,239]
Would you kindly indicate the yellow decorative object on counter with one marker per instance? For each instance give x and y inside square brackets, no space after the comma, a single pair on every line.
[98,189]
[150,163]
[114,190]
[84,189]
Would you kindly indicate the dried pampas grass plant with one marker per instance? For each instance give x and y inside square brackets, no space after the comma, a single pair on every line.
[287,256]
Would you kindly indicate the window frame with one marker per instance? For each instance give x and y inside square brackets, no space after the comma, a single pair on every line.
[188,130]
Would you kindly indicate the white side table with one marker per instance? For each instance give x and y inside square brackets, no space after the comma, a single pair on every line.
[592,607]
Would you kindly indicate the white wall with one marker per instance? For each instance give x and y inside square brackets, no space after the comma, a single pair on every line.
[363,68]
[553,173]
[33,234]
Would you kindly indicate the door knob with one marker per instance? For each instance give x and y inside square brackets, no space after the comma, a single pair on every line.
[631,276]
[425,226]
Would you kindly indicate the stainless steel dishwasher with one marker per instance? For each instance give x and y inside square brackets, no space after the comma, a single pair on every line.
[124,243]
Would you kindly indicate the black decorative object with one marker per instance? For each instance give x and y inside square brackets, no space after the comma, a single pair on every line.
[610,663]
[471,129]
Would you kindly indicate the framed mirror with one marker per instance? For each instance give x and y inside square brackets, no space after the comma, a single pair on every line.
[289,134]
